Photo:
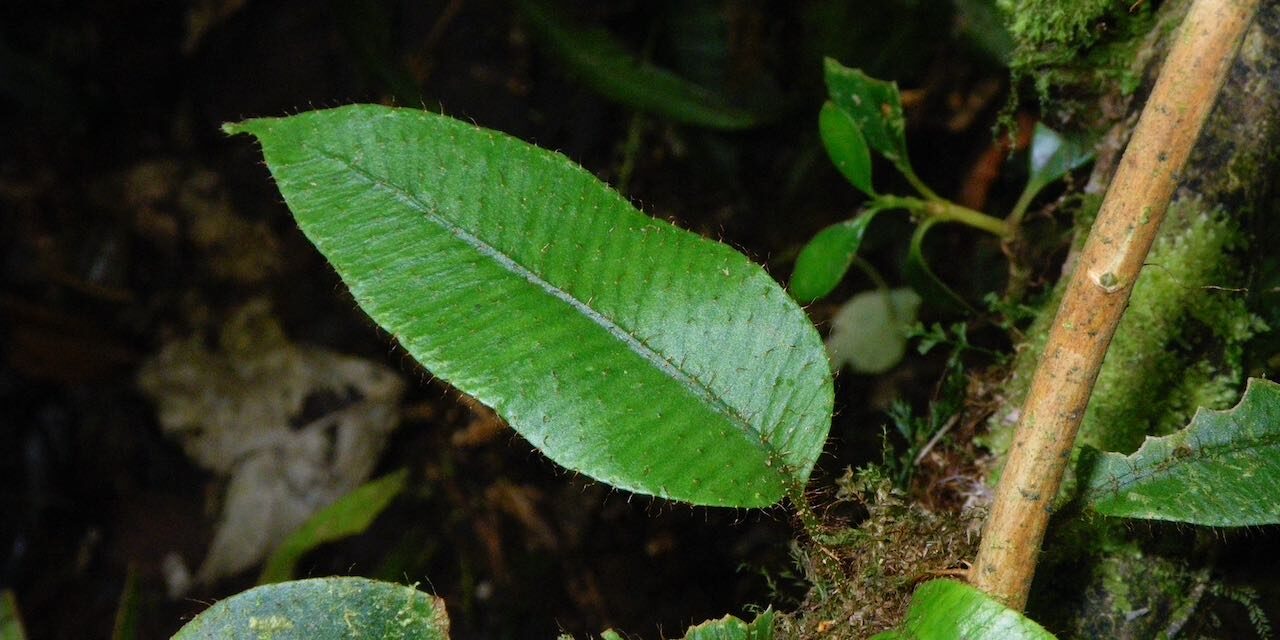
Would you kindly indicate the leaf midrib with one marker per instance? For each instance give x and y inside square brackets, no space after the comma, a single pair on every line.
[690,382]
[1154,470]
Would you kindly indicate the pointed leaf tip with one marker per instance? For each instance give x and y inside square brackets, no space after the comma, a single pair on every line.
[350,515]
[875,106]
[825,260]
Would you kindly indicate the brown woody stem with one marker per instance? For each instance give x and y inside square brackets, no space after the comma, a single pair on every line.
[1099,290]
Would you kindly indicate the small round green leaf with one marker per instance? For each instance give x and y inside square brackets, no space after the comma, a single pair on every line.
[323,609]
[623,347]
[823,262]
[846,146]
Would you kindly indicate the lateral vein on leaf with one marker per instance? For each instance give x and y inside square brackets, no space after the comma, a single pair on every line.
[691,382]
[1143,470]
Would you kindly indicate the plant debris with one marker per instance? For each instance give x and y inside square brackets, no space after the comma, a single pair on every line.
[863,577]
[292,428]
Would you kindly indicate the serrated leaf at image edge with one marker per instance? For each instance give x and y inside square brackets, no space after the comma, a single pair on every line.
[1223,469]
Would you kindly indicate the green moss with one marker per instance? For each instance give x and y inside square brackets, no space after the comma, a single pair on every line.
[1052,22]
[1097,579]
[1180,343]
[1074,52]
[862,577]
[1134,595]
[1116,585]
[1179,346]
[1190,331]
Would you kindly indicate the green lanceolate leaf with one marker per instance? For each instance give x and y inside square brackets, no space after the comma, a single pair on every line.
[349,516]
[323,609]
[875,106]
[621,346]
[946,610]
[733,628]
[606,66]
[1222,470]
[846,147]
[823,262]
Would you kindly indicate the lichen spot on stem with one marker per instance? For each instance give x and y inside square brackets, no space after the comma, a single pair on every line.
[1107,281]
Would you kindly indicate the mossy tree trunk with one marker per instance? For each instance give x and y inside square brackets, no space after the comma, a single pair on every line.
[1184,343]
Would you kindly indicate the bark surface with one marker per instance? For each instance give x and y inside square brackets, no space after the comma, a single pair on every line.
[1195,352]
